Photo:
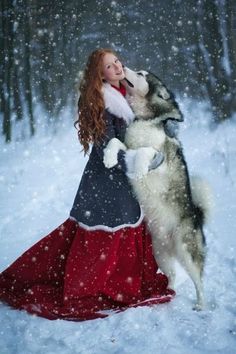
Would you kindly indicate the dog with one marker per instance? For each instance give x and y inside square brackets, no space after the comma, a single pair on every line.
[175,208]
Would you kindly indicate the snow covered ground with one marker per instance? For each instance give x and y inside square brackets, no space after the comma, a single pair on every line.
[38,181]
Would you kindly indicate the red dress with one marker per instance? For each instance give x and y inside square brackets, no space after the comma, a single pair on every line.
[75,274]
[78,274]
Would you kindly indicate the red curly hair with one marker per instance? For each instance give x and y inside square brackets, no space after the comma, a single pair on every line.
[91,104]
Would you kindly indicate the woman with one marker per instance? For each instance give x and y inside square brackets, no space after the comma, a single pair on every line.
[101,257]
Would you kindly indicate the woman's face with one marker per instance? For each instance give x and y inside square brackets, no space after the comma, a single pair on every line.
[112,69]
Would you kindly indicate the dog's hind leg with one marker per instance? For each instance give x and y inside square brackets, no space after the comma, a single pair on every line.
[191,257]
[165,262]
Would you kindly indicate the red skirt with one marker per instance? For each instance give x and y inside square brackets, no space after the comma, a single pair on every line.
[75,274]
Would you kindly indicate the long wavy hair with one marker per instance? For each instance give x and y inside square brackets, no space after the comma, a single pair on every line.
[90,121]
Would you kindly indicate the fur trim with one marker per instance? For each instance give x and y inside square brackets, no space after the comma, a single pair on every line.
[116,103]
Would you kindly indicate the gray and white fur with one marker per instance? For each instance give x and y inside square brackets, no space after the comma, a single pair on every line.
[175,208]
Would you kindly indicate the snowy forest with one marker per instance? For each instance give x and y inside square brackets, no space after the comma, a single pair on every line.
[44,46]
[189,44]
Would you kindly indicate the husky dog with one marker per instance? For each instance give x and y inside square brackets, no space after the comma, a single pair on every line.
[175,211]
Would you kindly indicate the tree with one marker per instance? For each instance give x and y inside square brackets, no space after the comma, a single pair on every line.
[215,56]
[6,66]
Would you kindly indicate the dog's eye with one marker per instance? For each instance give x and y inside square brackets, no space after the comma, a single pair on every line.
[140,74]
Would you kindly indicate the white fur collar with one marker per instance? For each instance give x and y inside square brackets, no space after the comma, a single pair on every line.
[116,103]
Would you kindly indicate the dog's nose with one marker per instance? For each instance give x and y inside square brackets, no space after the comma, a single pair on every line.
[126,70]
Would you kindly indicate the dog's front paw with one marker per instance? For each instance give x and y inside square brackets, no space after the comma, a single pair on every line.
[143,158]
[109,158]
[156,161]
[111,151]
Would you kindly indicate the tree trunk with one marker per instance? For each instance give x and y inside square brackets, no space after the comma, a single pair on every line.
[7,33]
[231,43]
[28,86]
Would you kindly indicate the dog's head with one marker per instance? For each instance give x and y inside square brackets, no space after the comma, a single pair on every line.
[149,97]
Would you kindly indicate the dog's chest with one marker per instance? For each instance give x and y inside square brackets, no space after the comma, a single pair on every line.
[143,134]
[139,105]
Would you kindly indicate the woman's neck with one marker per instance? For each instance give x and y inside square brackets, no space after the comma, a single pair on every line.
[116,85]
[121,89]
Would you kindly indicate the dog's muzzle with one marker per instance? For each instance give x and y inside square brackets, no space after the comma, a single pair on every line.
[128,82]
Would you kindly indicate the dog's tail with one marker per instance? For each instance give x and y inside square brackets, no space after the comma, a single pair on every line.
[202,196]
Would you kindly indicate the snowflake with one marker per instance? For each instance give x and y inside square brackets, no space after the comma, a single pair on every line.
[129,279]
[103,257]
[87,213]
[119,297]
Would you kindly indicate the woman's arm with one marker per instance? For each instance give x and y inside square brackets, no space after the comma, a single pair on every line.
[134,163]
[108,135]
